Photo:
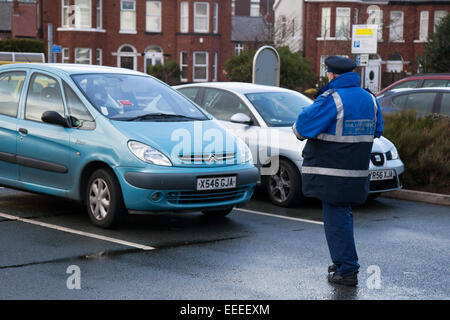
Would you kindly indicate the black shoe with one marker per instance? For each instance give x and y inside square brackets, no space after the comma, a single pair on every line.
[332,268]
[351,280]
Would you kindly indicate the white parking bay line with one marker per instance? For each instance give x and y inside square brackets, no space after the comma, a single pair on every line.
[279,216]
[77,232]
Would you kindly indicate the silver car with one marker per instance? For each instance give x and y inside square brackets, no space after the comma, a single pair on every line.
[263,117]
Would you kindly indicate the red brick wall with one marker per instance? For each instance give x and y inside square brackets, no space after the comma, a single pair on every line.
[409,50]
[25,20]
[170,40]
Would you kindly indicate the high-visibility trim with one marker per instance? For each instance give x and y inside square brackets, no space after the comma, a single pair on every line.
[298,135]
[339,137]
[336,172]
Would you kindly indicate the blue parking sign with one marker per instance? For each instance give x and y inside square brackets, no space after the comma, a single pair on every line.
[56,48]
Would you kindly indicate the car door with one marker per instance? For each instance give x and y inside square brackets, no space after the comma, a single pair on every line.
[223,105]
[43,150]
[11,87]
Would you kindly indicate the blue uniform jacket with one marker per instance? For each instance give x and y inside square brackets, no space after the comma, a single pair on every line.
[340,127]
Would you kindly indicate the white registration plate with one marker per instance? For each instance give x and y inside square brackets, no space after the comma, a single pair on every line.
[381,175]
[216,183]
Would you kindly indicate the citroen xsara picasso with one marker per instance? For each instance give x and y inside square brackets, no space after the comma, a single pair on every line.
[117,140]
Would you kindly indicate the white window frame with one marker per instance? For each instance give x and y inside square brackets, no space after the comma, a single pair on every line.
[423,26]
[65,55]
[77,60]
[255,8]
[195,65]
[99,57]
[216,18]
[196,15]
[238,48]
[65,7]
[233,7]
[214,66]
[326,23]
[133,54]
[78,14]
[183,64]
[122,12]
[153,16]
[184,17]
[399,37]
[347,17]
[437,17]
[99,12]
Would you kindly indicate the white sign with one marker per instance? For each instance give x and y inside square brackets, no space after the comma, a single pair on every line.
[363,60]
[364,38]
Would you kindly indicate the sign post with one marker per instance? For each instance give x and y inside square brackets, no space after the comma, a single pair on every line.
[364,42]
[55,50]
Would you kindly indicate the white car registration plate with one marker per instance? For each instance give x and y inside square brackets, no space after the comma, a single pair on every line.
[216,183]
[381,175]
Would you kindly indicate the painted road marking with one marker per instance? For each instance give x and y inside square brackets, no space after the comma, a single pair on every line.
[278,216]
[77,232]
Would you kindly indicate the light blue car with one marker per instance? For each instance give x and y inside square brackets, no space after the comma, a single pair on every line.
[117,140]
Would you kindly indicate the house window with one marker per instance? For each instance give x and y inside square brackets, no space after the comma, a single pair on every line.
[342,23]
[376,17]
[65,55]
[326,22]
[238,48]
[233,7]
[200,66]
[214,67]
[153,16]
[184,17]
[184,66]
[99,57]
[396,26]
[127,57]
[201,17]
[216,18]
[128,16]
[423,31]
[254,8]
[83,55]
[83,16]
[99,14]
[438,16]
[65,13]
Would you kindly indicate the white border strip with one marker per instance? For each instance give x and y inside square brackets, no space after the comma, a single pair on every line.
[77,232]
[278,216]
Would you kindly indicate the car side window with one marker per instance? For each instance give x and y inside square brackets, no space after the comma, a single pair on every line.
[80,116]
[398,102]
[44,94]
[222,105]
[190,93]
[433,83]
[421,102]
[445,104]
[11,84]
[407,84]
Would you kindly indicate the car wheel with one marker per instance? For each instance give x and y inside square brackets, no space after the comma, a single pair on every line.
[217,213]
[373,196]
[284,187]
[104,199]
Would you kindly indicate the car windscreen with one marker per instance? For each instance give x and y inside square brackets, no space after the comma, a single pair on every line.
[136,98]
[279,109]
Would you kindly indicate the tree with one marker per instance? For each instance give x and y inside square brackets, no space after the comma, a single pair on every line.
[436,56]
[168,72]
[295,71]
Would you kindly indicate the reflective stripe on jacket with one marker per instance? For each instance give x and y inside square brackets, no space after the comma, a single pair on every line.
[340,127]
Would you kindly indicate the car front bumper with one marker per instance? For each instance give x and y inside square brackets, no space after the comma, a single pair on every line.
[174,188]
[390,184]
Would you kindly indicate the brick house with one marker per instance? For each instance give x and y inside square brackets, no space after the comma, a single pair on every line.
[404,27]
[137,33]
[20,19]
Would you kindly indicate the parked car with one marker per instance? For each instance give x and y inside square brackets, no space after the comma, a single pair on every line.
[253,111]
[431,80]
[108,137]
[423,100]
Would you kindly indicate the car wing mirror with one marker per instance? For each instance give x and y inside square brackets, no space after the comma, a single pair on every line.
[241,118]
[54,117]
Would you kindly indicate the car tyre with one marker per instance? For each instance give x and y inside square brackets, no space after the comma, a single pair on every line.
[217,213]
[104,200]
[284,187]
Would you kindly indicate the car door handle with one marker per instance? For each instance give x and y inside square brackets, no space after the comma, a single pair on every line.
[23,131]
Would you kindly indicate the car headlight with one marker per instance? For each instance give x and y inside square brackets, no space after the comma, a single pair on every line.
[244,151]
[394,154]
[148,154]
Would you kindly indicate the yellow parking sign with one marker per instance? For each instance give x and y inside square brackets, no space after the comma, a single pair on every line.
[364,38]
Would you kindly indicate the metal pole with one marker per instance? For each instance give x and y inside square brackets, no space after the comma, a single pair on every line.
[50,42]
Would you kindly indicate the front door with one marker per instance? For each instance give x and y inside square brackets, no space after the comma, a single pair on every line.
[153,59]
[43,150]
[372,77]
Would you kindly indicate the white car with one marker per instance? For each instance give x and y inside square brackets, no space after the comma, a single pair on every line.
[255,112]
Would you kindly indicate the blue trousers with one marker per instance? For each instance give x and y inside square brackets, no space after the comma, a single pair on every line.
[338,224]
